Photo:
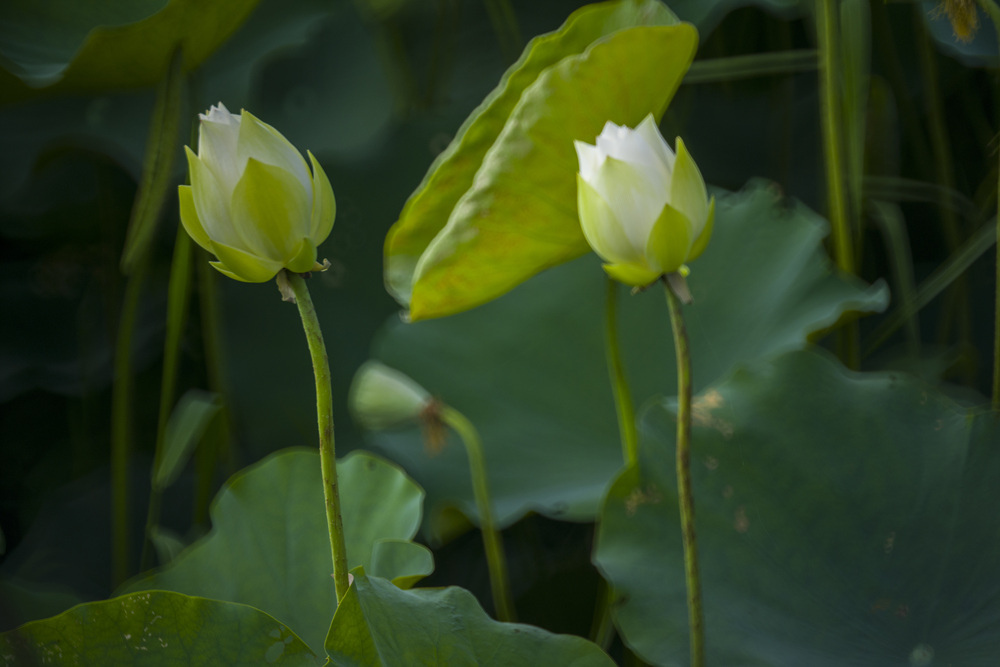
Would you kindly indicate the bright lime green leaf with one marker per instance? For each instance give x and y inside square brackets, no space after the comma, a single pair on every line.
[842,519]
[380,625]
[519,217]
[529,369]
[269,546]
[451,175]
[156,628]
[118,44]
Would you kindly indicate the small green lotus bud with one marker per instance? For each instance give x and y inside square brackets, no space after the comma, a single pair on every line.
[383,398]
[643,208]
[253,201]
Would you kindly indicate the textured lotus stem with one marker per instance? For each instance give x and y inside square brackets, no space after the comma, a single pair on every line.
[619,385]
[684,490]
[495,560]
[324,414]
[833,148]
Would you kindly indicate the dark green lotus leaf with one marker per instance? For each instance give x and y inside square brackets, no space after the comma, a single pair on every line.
[269,546]
[503,193]
[379,625]
[842,519]
[529,369]
[118,44]
[156,628]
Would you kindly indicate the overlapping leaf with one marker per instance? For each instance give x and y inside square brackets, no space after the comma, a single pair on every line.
[111,44]
[529,369]
[503,194]
[156,628]
[380,625]
[269,546]
[842,518]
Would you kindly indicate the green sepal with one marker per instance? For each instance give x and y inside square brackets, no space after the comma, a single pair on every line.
[601,227]
[324,204]
[669,242]
[270,210]
[305,259]
[687,187]
[632,274]
[210,201]
[259,141]
[243,266]
[189,217]
[701,242]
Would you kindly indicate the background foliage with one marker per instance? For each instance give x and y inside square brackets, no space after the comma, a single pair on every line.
[888,470]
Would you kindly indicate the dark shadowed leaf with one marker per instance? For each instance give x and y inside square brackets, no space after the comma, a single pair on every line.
[529,370]
[379,625]
[156,628]
[842,519]
[269,546]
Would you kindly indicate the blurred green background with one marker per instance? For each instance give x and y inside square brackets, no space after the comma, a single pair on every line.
[376,89]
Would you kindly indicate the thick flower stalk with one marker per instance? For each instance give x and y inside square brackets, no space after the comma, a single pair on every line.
[643,208]
[253,202]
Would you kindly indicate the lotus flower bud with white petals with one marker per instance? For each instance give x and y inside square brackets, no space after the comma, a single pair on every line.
[644,209]
[253,201]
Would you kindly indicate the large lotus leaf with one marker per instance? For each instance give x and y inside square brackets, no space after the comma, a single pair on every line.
[504,191]
[98,45]
[269,546]
[529,369]
[842,519]
[380,625]
[156,628]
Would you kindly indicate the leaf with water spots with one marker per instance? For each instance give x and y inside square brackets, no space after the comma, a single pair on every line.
[156,628]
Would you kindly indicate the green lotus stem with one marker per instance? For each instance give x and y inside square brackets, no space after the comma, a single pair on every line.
[991,8]
[495,559]
[685,492]
[121,427]
[623,397]
[177,307]
[833,149]
[324,414]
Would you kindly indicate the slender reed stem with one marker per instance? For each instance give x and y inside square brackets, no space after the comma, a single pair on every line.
[121,428]
[178,293]
[993,10]
[324,414]
[685,492]
[619,385]
[495,560]
[833,149]
[216,446]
